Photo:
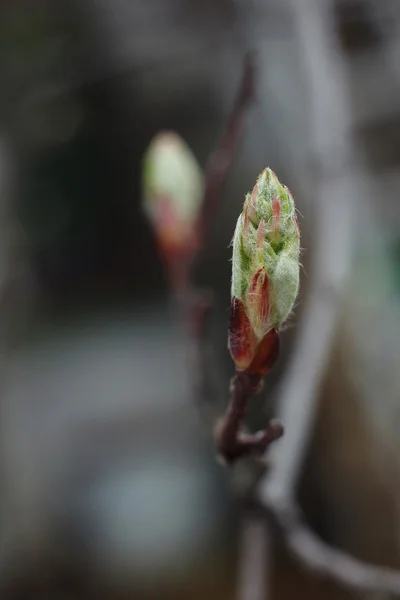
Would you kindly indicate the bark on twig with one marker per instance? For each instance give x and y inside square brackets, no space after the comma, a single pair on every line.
[232,442]
[180,271]
[221,159]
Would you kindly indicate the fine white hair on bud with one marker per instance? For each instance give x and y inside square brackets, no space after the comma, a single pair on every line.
[172,191]
[265,270]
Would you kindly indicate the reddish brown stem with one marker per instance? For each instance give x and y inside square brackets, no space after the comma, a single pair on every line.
[234,443]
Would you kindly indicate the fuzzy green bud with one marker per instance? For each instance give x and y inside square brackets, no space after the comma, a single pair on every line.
[172,192]
[265,269]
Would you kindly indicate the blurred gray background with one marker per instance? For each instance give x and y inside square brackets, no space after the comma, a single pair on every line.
[109,483]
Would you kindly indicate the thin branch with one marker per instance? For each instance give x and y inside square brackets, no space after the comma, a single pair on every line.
[324,560]
[221,159]
[181,271]
[234,443]
[254,558]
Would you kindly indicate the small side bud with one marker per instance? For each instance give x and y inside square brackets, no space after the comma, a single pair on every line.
[172,192]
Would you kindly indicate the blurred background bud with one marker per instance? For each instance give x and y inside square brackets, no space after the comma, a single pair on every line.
[172,192]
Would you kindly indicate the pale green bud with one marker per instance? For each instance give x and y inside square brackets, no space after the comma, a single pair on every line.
[265,266]
[172,191]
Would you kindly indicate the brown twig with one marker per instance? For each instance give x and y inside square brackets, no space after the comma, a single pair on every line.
[234,443]
[222,157]
[180,270]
